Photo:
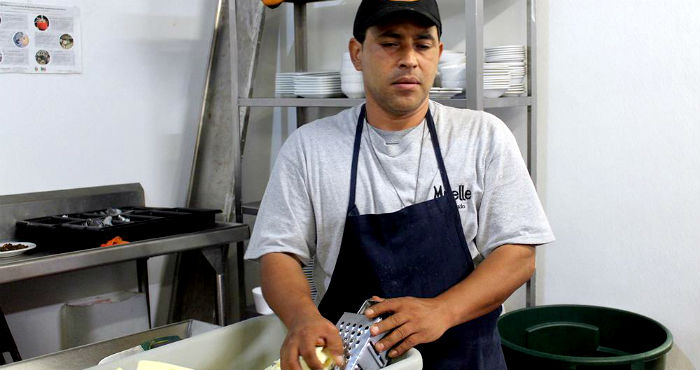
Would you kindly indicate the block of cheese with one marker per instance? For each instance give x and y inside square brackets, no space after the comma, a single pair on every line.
[157,365]
[324,357]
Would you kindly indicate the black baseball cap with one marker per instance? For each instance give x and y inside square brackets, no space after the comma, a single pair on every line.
[371,11]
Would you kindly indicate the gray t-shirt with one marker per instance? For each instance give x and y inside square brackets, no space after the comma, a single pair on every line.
[305,204]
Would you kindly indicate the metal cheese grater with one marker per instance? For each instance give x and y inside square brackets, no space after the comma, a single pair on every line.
[358,342]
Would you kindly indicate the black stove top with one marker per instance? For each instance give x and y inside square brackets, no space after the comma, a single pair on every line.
[91,229]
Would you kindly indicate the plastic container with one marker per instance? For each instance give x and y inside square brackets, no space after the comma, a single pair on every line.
[582,337]
[248,345]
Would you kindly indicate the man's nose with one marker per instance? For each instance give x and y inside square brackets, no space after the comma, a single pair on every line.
[408,58]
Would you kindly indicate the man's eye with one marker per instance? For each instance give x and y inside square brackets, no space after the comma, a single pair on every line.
[389,44]
[423,46]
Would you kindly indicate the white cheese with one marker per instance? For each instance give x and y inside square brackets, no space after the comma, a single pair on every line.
[323,356]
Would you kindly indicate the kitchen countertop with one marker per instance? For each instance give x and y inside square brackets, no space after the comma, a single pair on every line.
[36,263]
[90,354]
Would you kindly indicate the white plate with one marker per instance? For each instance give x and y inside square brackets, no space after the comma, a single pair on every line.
[311,88]
[446,89]
[321,96]
[497,52]
[319,88]
[512,46]
[501,52]
[300,83]
[505,56]
[313,73]
[29,245]
[504,59]
[307,85]
[317,78]
[318,82]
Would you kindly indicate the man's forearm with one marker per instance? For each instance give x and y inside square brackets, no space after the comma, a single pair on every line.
[490,284]
[287,291]
[285,287]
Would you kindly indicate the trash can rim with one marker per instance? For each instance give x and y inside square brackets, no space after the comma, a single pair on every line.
[654,353]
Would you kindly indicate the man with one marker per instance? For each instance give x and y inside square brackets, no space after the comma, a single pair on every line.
[398,200]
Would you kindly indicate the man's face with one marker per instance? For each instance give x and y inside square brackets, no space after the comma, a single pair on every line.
[398,60]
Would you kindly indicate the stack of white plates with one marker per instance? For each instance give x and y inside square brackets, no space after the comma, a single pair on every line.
[517,75]
[512,56]
[496,79]
[509,53]
[444,92]
[317,84]
[284,84]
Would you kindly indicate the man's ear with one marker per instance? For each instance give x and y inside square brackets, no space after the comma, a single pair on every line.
[355,48]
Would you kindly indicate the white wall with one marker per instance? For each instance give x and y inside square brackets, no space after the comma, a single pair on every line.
[131,116]
[619,98]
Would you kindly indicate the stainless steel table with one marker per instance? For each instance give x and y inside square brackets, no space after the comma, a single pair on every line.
[213,242]
[90,354]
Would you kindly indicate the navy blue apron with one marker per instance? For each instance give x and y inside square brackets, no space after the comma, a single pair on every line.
[418,251]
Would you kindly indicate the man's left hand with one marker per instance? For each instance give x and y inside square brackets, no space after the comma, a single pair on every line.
[413,321]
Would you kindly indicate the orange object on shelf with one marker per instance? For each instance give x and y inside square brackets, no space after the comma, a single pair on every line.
[115,241]
[272,3]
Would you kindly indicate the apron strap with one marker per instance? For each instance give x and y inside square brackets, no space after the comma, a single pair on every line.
[355,156]
[452,204]
[438,154]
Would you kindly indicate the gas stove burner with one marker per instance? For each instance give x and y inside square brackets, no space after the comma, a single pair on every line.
[90,229]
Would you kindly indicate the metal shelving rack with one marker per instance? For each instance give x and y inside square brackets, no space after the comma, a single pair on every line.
[474,11]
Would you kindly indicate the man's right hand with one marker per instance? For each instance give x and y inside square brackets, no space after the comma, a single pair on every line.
[307,332]
[286,290]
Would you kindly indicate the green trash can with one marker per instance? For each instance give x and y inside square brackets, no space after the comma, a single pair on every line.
[582,337]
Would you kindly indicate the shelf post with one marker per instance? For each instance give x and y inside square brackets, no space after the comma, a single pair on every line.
[531,72]
[475,61]
[300,50]
[236,154]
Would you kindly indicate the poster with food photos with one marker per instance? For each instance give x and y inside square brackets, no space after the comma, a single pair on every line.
[39,38]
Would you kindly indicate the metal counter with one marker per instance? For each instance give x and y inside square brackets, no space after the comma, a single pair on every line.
[90,354]
[213,242]
[36,264]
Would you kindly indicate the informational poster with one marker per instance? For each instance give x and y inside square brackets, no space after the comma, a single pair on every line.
[39,38]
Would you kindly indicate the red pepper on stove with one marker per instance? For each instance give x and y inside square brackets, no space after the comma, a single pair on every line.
[114,241]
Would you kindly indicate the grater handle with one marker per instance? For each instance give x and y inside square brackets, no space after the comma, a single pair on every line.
[367,304]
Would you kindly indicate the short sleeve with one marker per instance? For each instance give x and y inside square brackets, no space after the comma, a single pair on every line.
[285,220]
[510,211]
